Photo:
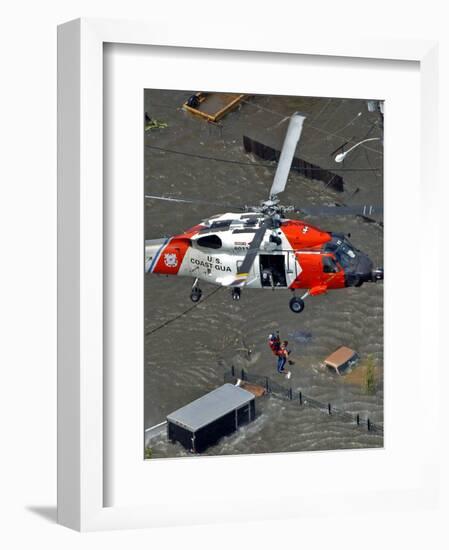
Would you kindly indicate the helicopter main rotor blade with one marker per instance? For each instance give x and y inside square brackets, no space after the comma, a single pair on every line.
[288,152]
[366,210]
[193,201]
[248,260]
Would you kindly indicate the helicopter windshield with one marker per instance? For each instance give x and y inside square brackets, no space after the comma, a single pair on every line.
[329,265]
[345,253]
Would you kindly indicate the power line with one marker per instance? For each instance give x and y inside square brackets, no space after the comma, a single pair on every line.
[322,130]
[182,313]
[270,166]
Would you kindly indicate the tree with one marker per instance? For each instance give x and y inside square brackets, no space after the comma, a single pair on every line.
[369,382]
[148,453]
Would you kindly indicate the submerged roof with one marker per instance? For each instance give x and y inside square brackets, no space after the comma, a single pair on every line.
[339,357]
[210,407]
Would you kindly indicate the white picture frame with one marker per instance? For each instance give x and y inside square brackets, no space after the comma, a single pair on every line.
[81,473]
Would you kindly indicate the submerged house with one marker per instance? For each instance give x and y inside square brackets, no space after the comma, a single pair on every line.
[204,421]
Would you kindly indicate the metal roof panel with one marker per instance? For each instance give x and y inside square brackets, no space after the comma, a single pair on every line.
[210,407]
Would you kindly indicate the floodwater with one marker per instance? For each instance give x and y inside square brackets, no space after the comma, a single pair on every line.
[188,357]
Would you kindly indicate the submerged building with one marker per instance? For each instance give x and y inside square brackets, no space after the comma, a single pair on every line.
[204,421]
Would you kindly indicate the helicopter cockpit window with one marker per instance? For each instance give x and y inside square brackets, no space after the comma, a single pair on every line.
[221,225]
[346,256]
[342,248]
[329,265]
[210,241]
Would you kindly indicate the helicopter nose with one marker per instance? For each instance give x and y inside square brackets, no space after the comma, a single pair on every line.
[361,271]
[377,274]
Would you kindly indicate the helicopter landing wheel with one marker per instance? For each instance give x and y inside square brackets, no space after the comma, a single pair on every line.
[296,304]
[196,294]
[236,293]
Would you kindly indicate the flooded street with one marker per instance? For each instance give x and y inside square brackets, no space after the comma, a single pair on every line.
[188,356]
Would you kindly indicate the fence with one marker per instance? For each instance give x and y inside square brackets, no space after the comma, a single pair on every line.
[275,389]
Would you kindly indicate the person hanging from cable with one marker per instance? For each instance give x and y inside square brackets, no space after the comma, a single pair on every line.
[283,354]
[281,351]
[274,342]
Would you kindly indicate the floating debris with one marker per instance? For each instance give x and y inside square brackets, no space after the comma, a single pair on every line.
[153,124]
[212,106]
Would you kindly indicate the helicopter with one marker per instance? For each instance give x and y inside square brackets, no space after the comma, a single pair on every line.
[259,247]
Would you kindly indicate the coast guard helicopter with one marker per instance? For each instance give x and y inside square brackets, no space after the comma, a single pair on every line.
[260,248]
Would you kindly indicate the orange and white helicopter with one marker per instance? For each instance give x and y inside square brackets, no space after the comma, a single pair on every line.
[260,248]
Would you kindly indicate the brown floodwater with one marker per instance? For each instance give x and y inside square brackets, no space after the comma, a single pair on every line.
[189,356]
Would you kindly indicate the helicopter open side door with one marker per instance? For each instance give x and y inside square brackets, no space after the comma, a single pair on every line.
[277,269]
[292,269]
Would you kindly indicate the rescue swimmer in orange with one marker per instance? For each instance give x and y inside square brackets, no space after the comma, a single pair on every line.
[258,247]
